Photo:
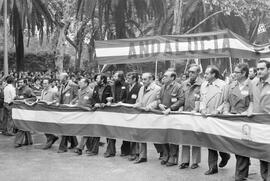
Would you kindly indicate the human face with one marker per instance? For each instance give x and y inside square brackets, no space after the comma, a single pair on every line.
[251,73]
[184,77]
[130,81]
[262,71]
[238,75]
[146,80]
[20,83]
[45,84]
[98,79]
[208,76]
[82,84]
[193,73]
[115,76]
[167,78]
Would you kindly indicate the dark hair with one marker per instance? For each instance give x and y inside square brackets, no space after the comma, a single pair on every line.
[254,70]
[10,79]
[36,78]
[134,75]
[121,75]
[214,70]
[267,63]
[243,68]
[174,75]
[103,78]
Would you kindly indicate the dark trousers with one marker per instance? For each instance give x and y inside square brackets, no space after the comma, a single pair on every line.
[126,148]
[86,141]
[265,170]
[170,153]
[23,138]
[213,158]
[93,144]
[159,148]
[111,146]
[64,142]
[242,167]
[134,148]
[8,124]
[50,137]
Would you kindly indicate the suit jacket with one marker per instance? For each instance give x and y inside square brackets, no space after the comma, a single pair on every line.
[133,93]
[85,97]
[123,87]
[236,100]
[68,93]
[101,93]
[172,96]
[25,92]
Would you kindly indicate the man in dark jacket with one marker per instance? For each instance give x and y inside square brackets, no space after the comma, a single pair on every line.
[130,148]
[68,92]
[23,92]
[119,92]
[100,94]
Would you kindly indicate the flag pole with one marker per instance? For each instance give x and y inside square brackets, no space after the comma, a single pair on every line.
[231,68]
[6,40]
[156,69]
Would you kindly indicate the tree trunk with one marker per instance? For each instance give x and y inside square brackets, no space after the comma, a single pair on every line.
[60,50]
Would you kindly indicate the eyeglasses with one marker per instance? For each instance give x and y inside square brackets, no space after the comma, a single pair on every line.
[236,72]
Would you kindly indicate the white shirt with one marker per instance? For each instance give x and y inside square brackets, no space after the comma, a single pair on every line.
[9,93]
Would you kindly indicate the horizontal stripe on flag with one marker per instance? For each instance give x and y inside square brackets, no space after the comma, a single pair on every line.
[206,45]
[210,125]
[182,137]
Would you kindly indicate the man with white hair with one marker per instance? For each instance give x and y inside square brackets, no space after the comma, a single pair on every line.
[146,99]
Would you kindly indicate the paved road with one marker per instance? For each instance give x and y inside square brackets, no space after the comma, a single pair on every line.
[31,163]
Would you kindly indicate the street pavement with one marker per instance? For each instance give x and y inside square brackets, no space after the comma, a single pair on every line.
[31,163]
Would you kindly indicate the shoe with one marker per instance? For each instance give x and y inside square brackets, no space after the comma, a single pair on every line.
[183,165]
[163,162]
[61,151]
[50,143]
[107,155]
[123,154]
[78,151]
[224,162]
[211,171]
[169,164]
[72,147]
[132,158]
[17,145]
[91,154]
[140,160]
[194,166]
[160,155]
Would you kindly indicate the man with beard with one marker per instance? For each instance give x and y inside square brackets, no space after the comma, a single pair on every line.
[68,92]
[100,94]
[260,103]
[119,92]
[170,98]
[192,99]
[23,92]
[237,98]
[211,95]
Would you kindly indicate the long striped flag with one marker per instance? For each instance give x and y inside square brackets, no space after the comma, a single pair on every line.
[232,133]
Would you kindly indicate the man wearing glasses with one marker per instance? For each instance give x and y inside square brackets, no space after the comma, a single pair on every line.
[192,99]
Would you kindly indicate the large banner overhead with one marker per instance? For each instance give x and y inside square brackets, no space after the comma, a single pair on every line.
[233,133]
[174,47]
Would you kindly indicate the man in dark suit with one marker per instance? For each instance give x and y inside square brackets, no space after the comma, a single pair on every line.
[130,148]
[100,94]
[68,92]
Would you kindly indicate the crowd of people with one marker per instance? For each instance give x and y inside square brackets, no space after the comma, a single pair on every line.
[245,92]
